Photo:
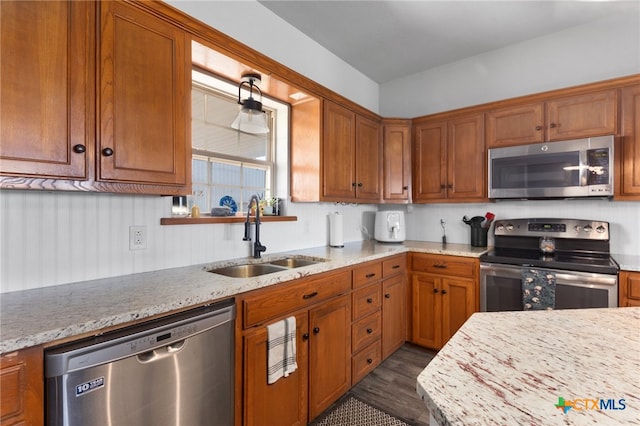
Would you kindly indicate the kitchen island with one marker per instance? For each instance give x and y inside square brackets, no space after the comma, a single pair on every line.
[562,367]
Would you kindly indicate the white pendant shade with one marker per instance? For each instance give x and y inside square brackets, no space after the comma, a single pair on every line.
[250,121]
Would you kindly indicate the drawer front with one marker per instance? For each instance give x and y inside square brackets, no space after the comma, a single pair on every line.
[366,331]
[364,362]
[290,297]
[445,265]
[367,274]
[393,266]
[366,300]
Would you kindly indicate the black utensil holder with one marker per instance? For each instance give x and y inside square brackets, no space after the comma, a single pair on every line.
[479,237]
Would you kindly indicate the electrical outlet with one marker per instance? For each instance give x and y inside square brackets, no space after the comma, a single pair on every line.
[137,237]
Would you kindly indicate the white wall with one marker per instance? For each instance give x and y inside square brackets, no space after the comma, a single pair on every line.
[52,238]
[601,50]
[256,26]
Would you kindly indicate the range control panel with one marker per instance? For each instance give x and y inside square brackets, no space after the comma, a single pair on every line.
[557,228]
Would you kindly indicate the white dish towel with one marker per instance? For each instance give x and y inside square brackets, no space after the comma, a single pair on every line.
[281,349]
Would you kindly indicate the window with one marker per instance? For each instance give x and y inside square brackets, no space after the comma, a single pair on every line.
[227,163]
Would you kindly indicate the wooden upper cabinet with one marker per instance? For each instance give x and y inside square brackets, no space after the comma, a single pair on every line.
[449,160]
[518,125]
[569,117]
[368,160]
[351,156]
[396,160]
[586,115]
[45,101]
[628,147]
[144,101]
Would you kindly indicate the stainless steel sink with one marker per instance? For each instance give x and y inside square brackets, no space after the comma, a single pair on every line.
[247,271]
[256,269]
[294,262]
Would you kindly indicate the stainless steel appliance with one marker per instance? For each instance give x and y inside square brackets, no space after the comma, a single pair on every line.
[176,370]
[574,168]
[575,251]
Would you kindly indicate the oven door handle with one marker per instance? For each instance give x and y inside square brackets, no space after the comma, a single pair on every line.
[573,278]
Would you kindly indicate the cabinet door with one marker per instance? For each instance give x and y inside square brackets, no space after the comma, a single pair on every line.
[396,152]
[45,100]
[458,303]
[144,104]
[430,161]
[628,154]
[394,314]
[629,292]
[22,386]
[426,310]
[368,160]
[338,153]
[466,158]
[591,114]
[517,125]
[285,401]
[329,353]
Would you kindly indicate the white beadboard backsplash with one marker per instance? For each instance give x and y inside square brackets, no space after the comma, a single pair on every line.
[52,238]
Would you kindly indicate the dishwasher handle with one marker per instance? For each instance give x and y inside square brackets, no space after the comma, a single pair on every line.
[161,353]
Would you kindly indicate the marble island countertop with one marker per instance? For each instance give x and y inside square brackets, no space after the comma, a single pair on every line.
[42,316]
[515,368]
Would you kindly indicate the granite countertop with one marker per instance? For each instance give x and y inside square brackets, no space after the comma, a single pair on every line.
[512,368]
[45,315]
[627,262]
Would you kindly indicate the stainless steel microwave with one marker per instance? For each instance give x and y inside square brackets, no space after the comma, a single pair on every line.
[565,169]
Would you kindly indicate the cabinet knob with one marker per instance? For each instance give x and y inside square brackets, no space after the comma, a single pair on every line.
[359,184]
[538,127]
[316,330]
[369,361]
[443,186]
[444,291]
[387,296]
[79,149]
[369,300]
[353,184]
[552,125]
[404,188]
[107,152]
[305,336]
[450,186]
[435,290]
[369,331]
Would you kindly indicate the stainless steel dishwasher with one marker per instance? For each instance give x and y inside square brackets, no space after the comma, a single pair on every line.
[177,370]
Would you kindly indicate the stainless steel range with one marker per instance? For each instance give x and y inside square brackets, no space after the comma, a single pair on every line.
[571,255]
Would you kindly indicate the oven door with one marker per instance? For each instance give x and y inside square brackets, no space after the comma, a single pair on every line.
[501,289]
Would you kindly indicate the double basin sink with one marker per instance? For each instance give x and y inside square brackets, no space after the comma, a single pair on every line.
[249,270]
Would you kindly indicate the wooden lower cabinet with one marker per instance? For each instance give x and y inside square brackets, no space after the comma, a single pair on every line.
[394,314]
[629,288]
[22,387]
[443,297]
[323,347]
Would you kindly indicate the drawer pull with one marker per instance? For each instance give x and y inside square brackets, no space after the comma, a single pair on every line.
[371,275]
[387,296]
[369,361]
[310,295]
[395,266]
[369,330]
[440,266]
[369,300]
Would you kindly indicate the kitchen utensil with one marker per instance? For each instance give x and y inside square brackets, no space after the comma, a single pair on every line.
[474,222]
[443,223]
[489,218]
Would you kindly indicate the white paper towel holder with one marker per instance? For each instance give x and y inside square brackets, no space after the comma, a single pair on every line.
[336,230]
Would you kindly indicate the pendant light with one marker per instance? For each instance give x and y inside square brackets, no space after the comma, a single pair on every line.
[251,118]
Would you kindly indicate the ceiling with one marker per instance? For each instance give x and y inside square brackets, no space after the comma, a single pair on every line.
[390,39]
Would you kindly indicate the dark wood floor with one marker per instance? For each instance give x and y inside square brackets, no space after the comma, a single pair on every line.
[392,385]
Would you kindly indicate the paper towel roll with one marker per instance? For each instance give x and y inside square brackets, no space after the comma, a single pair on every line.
[336,230]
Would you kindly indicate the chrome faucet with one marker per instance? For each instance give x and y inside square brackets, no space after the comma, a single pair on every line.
[257,247]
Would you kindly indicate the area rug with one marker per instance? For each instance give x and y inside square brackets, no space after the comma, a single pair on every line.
[353,412]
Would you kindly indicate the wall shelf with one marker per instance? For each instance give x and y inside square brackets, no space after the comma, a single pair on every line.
[223,219]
